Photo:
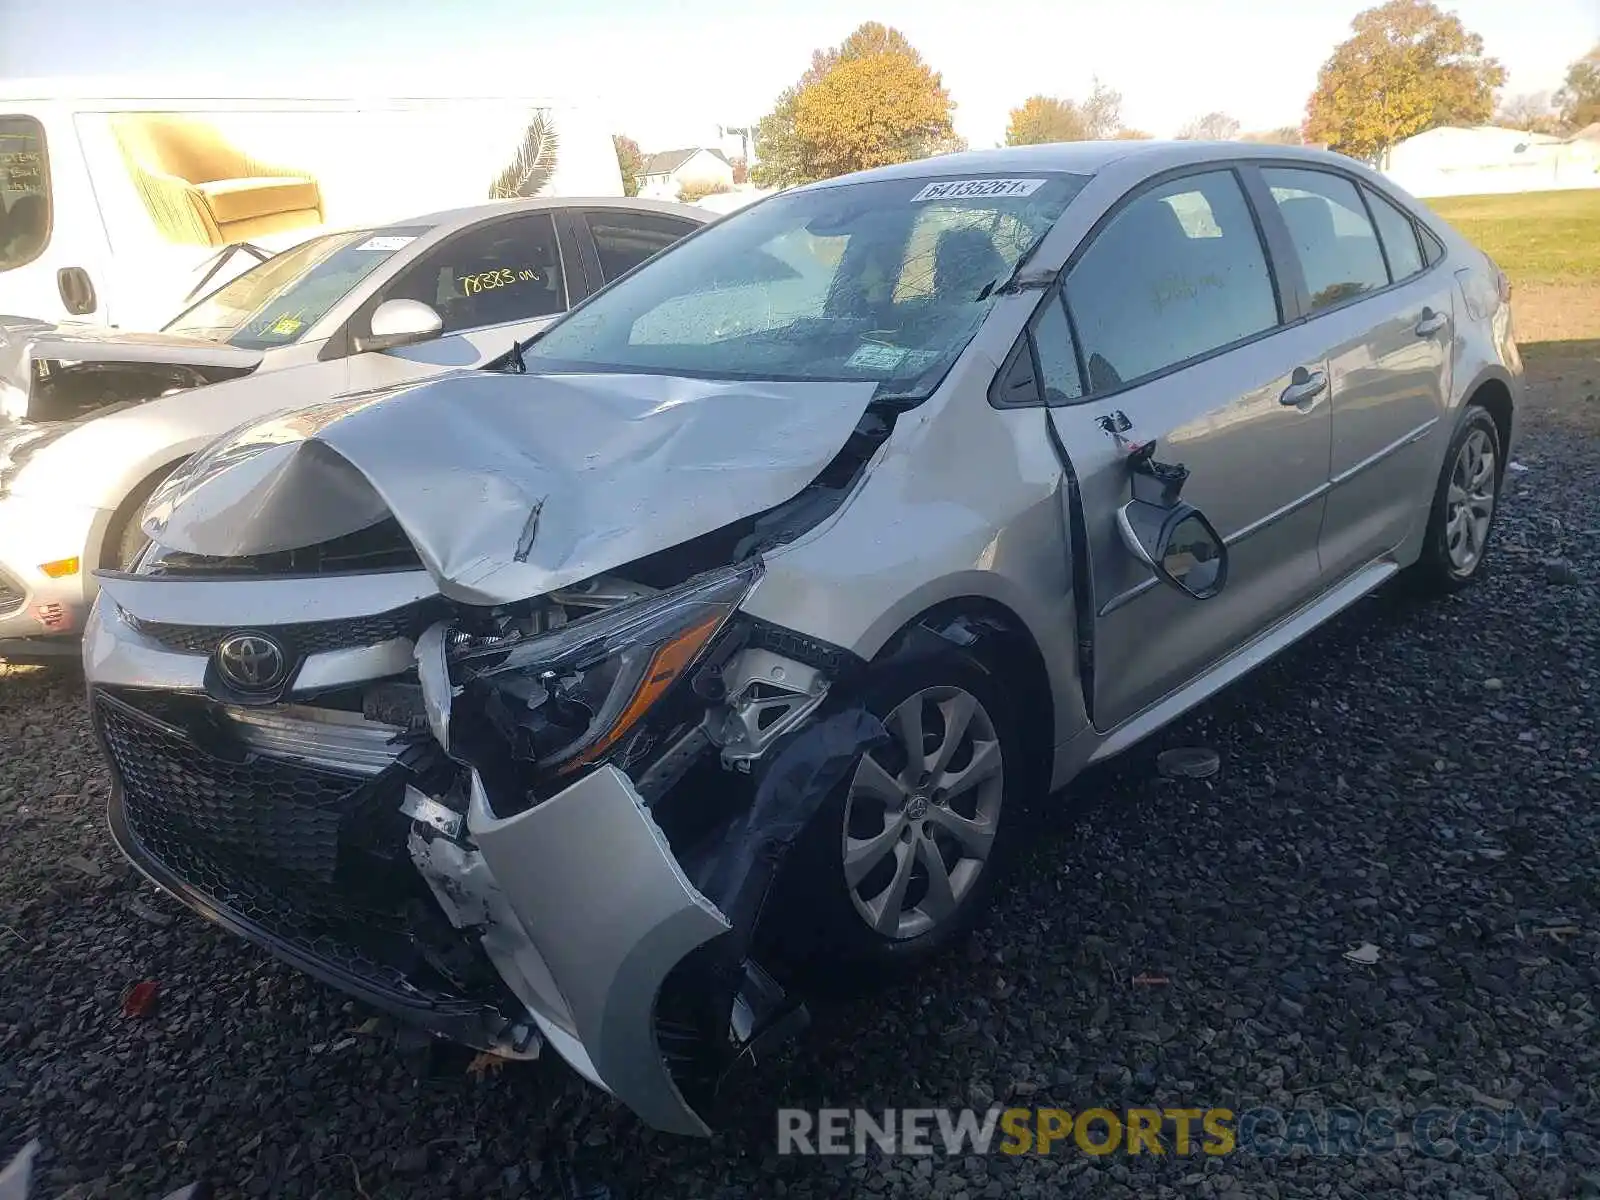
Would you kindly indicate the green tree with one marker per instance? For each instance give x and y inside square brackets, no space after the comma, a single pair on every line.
[889,126]
[1579,96]
[1102,111]
[1041,119]
[630,161]
[1530,111]
[1408,67]
[1284,135]
[1213,127]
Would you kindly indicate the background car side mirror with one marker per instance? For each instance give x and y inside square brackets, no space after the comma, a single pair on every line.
[1178,543]
[398,323]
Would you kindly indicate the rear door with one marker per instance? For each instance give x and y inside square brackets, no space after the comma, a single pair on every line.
[622,238]
[1386,322]
[1177,332]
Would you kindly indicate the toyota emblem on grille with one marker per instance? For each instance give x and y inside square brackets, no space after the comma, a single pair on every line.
[251,662]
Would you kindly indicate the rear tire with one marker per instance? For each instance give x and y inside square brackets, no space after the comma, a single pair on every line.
[902,859]
[1466,503]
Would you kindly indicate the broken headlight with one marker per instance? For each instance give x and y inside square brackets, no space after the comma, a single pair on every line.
[569,697]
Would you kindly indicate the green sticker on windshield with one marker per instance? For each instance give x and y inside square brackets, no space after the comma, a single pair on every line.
[287,326]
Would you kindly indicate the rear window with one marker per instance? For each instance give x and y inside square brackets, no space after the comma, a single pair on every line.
[24,192]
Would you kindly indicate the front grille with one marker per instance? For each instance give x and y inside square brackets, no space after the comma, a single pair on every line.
[289,849]
[11,595]
[308,637]
[380,547]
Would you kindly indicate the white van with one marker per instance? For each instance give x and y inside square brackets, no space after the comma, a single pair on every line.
[121,211]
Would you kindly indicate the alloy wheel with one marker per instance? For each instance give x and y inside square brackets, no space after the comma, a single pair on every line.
[922,811]
[1469,501]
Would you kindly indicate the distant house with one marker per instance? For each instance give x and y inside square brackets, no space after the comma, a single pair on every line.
[1485,159]
[664,175]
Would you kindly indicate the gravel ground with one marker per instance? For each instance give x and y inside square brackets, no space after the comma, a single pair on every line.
[1420,777]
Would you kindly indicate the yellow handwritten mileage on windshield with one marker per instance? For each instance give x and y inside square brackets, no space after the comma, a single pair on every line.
[471,285]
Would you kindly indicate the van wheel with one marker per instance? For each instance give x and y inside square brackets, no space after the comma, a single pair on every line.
[905,855]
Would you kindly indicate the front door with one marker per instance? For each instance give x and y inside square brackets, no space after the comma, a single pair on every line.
[1181,338]
[496,283]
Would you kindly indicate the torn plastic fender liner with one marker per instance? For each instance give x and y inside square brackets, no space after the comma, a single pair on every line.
[793,781]
[592,880]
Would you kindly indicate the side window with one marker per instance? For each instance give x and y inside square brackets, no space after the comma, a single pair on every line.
[1398,234]
[623,240]
[1328,224]
[24,192]
[1058,364]
[1432,247]
[499,272]
[1178,273]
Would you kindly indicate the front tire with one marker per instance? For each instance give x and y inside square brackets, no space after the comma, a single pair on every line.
[904,857]
[1465,505]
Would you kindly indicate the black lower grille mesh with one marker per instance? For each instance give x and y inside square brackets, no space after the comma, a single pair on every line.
[263,841]
[284,815]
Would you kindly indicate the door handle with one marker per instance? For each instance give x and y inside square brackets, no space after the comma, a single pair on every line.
[1304,386]
[1431,323]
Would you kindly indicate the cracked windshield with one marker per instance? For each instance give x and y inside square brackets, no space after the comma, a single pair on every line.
[883,282]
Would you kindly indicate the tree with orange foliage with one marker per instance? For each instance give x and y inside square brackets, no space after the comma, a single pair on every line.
[868,101]
[1408,67]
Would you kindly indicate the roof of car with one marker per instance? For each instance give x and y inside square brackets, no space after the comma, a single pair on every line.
[1079,158]
[453,217]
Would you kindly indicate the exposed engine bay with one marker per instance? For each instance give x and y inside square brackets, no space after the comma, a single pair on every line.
[553,820]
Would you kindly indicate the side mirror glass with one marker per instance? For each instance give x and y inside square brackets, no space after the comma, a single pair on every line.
[399,323]
[1178,543]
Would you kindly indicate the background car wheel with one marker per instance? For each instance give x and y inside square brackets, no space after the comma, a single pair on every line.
[125,541]
[905,855]
[1465,504]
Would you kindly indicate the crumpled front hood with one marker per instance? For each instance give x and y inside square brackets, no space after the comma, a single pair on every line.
[510,486]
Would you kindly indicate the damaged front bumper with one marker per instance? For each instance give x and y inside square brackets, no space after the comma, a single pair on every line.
[597,912]
[611,918]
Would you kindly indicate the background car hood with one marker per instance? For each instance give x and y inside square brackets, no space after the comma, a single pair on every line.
[24,340]
[510,486]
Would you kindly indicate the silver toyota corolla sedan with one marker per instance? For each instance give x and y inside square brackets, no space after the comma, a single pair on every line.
[720,635]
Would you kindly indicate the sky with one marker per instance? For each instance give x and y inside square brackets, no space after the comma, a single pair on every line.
[669,72]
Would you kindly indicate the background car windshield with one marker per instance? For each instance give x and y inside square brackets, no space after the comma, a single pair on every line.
[273,304]
[883,281]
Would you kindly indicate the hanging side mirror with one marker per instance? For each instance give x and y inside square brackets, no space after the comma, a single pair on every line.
[1178,543]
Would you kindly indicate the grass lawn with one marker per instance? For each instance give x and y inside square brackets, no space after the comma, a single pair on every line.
[1536,237]
[1549,244]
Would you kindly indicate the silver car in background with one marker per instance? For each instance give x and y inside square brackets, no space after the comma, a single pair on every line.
[93,419]
[720,638]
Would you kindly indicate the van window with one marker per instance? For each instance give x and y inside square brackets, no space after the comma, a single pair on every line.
[24,192]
